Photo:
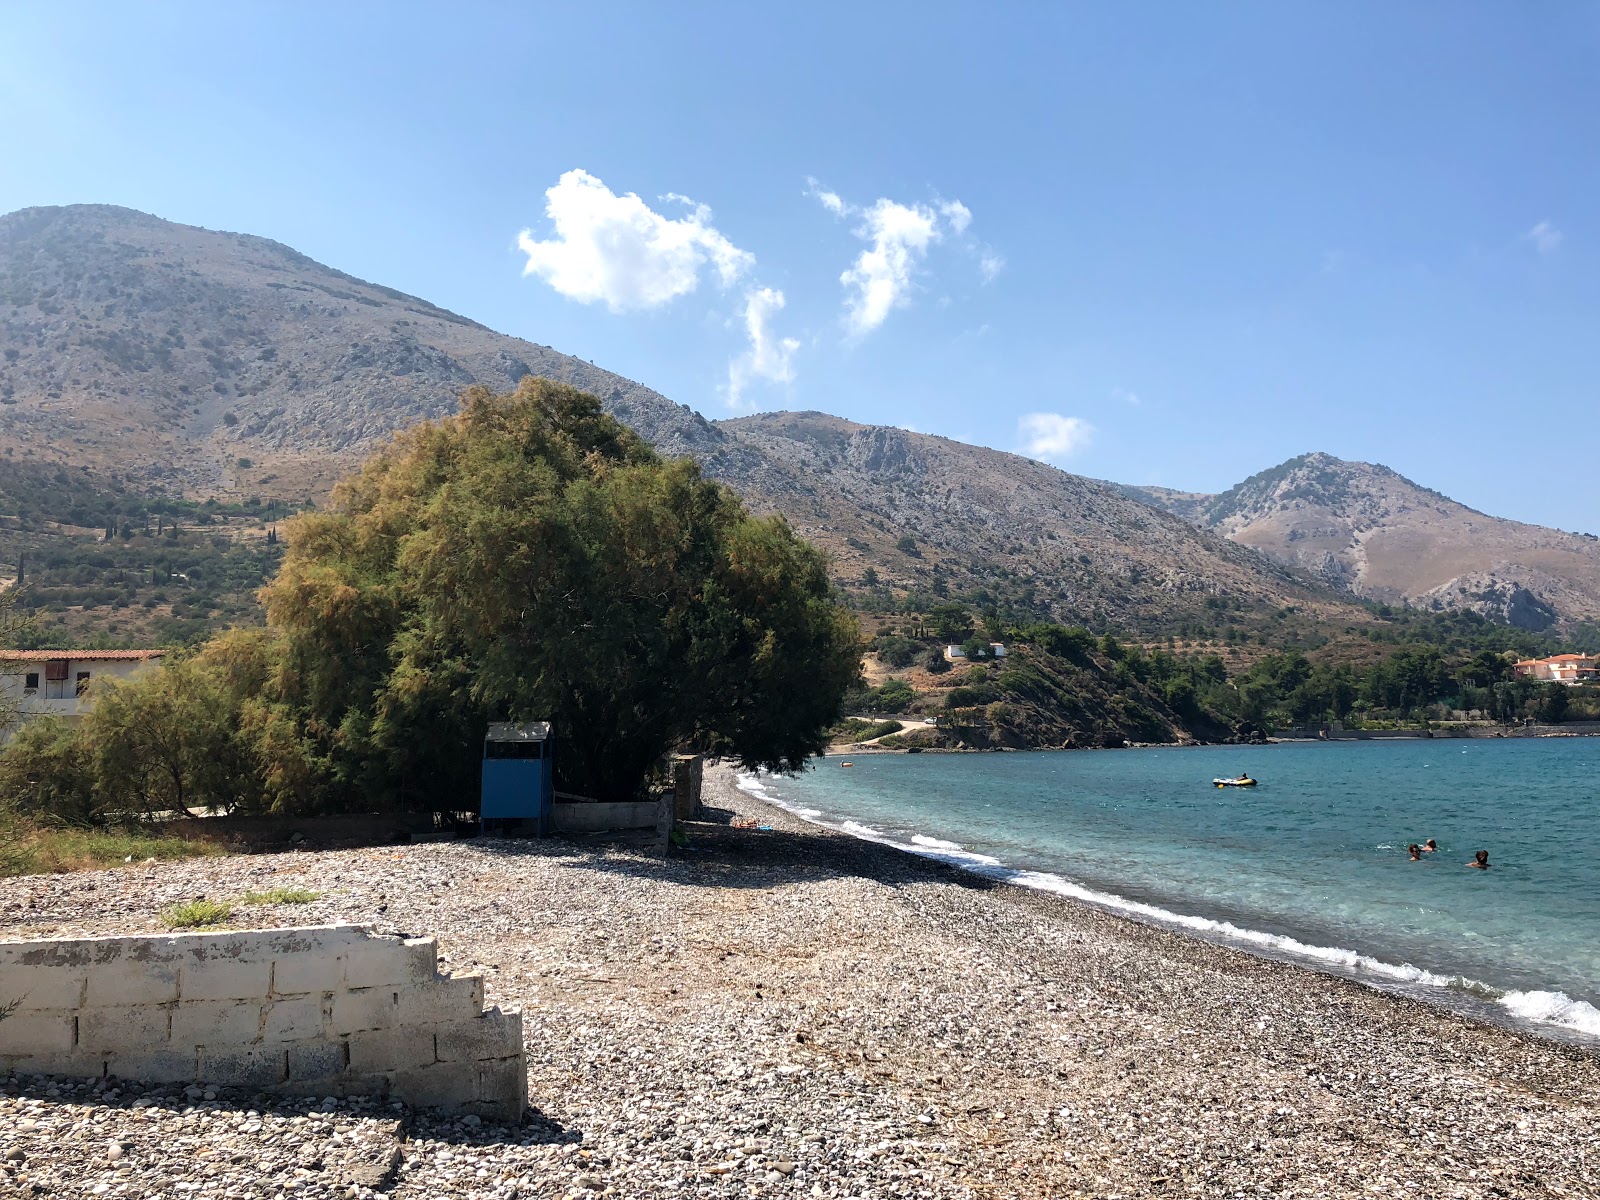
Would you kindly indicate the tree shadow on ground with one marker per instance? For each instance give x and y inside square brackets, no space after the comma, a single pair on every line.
[717,854]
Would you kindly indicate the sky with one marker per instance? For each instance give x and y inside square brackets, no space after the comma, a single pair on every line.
[1159,243]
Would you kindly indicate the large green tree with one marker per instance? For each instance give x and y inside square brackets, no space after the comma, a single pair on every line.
[532,558]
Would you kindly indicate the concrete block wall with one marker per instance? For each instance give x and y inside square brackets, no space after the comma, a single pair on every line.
[326,1011]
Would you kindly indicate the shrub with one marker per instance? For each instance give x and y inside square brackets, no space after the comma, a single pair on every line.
[47,773]
[897,651]
[197,914]
[284,895]
[893,696]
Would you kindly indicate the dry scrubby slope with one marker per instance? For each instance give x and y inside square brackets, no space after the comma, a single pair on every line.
[985,518]
[175,356]
[1372,531]
[132,341]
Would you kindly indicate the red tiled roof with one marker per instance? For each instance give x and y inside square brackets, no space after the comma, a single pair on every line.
[79,655]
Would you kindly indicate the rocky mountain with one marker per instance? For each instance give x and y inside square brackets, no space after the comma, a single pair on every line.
[1369,530]
[220,364]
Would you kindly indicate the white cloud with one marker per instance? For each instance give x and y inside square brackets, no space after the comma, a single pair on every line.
[768,357]
[618,250]
[1545,237]
[1048,436]
[829,200]
[1129,398]
[882,277]
[880,280]
[957,213]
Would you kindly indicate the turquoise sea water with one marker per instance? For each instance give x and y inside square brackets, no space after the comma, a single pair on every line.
[1310,865]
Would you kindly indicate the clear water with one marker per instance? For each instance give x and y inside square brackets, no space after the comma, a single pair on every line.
[1310,865]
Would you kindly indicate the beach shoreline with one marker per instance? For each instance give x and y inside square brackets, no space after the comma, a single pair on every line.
[790,1011]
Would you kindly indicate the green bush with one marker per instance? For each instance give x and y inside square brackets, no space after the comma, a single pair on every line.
[893,696]
[283,895]
[47,774]
[197,914]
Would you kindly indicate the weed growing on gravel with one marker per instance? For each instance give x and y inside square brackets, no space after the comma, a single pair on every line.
[288,895]
[36,850]
[197,913]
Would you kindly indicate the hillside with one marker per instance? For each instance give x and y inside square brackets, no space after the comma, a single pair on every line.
[1369,530]
[192,363]
[933,516]
[224,364]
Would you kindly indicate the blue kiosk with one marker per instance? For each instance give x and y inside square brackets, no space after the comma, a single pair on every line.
[518,779]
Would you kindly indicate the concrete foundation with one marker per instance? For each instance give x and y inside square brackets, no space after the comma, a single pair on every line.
[325,1011]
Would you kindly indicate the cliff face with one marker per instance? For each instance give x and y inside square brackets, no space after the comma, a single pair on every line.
[1373,532]
[208,363]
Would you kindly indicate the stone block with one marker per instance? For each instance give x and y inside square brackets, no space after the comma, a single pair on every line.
[370,1008]
[42,987]
[171,1064]
[300,973]
[442,1001]
[442,1085]
[391,1049]
[382,964]
[40,1033]
[125,1027]
[215,1022]
[124,982]
[495,1034]
[224,980]
[503,1089]
[422,959]
[315,1060]
[243,1066]
[293,1019]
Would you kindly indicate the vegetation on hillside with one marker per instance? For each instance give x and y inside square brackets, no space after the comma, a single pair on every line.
[1069,686]
[530,558]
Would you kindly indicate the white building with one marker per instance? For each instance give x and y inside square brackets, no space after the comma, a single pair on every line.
[996,650]
[60,683]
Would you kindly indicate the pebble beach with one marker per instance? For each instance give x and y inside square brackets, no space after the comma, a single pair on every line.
[790,1012]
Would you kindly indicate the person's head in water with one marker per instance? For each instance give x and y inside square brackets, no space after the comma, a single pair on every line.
[1430,845]
[1415,851]
[1480,860]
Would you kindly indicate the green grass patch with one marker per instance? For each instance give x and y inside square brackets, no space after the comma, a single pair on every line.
[197,914]
[37,850]
[283,895]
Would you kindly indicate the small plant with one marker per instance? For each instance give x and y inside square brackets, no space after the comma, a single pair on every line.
[289,895]
[197,914]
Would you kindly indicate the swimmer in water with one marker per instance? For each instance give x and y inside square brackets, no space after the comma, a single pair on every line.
[1429,846]
[1415,851]
[1480,860]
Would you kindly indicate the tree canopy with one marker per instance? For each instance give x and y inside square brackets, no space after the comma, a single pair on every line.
[533,558]
[528,558]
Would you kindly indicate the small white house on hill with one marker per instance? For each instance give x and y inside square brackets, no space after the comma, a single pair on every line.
[60,683]
[952,653]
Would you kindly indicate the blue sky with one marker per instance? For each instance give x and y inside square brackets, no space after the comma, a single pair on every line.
[1163,243]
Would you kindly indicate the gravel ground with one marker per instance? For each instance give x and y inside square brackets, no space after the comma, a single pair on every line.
[790,1012]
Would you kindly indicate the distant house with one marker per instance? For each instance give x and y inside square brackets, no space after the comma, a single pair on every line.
[59,683]
[1560,668]
[996,650]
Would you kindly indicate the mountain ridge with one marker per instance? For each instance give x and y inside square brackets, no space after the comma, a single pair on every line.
[1370,530]
[219,364]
